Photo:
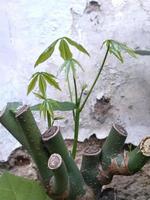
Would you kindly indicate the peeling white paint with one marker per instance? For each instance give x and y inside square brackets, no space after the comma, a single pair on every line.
[27,27]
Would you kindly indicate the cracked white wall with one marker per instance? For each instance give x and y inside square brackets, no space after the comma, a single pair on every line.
[27,27]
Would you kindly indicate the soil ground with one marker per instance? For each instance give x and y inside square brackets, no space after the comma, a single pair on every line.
[136,187]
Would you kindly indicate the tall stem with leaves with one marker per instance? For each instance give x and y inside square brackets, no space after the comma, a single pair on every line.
[80,108]
[69,66]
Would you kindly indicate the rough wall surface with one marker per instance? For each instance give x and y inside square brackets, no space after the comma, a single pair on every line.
[27,27]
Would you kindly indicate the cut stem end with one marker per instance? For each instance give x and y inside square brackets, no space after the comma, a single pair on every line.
[145,146]
[120,130]
[54,161]
[50,133]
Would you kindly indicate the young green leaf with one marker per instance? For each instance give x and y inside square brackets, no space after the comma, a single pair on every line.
[116,49]
[46,54]
[42,85]
[117,54]
[56,106]
[64,50]
[127,49]
[48,74]
[78,46]
[38,95]
[32,84]
[61,106]
[43,109]
[51,80]
[49,108]
[70,65]
[62,67]
[77,63]
[67,68]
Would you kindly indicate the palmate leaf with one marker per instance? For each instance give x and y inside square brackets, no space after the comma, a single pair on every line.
[42,78]
[78,46]
[56,106]
[70,65]
[117,54]
[62,67]
[42,85]
[49,108]
[67,67]
[61,106]
[46,54]
[77,63]
[40,96]
[32,84]
[43,109]
[46,108]
[65,50]
[18,188]
[50,78]
[116,48]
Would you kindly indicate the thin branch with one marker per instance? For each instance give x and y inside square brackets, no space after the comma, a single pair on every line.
[49,120]
[69,88]
[95,81]
[76,90]
[70,94]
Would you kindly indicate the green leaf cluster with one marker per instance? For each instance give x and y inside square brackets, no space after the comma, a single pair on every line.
[64,49]
[46,54]
[48,106]
[116,49]
[70,66]
[42,79]
[56,105]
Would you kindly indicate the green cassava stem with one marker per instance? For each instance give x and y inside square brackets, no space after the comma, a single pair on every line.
[79,109]
[54,143]
[33,136]
[9,121]
[89,167]
[80,98]
[76,133]
[57,166]
[95,81]
[76,90]
[139,156]
[62,178]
